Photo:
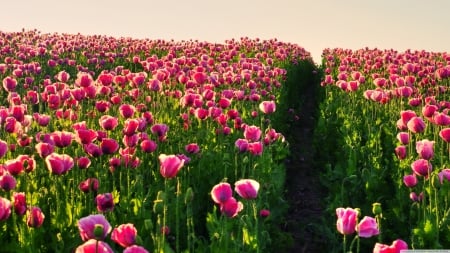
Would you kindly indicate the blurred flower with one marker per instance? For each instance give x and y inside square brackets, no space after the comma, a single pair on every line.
[105,202]
[20,203]
[267,107]
[135,249]
[346,220]
[7,182]
[231,207]
[35,217]
[247,188]
[221,192]
[367,227]
[124,235]
[87,226]
[94,246]
[170,165]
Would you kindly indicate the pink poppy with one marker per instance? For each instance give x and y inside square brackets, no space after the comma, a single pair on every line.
[130,140]
[109,146]
[7,182]
[59,164]
[264,213]
[410,180]
[9,84]
[256,148]
[422,167]
[444,134]
[135,249]
[87,226]
[41,119]
[403,137]
[19,203]
[367,227]
[105,202]
[12,125]
[93,150]
[84,80]
[3,148]
[416,198]
[35,217]
[267,107]
[416,125]
[247,188]
[221,192]
[429,110]
[160,130]
[108,122]
[170,165]
[407,115]
[86,136]
[346,220]
[396,247]
[130,127]
[5,209]
[148,146]
[444,174]
[441,119]
[252,133]
[102,106]
[14,166]
[231,207]
[124,235]
[425,149]
[192,148]
[44,149]
[242,145]
[400,152]
[94,246]
[126,110]
[89,185]
[83,162]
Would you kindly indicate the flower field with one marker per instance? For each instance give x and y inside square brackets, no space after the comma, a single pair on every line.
[385,125]
[136,145]
[117,144]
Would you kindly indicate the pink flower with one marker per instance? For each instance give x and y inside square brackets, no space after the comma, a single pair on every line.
[407,115]
[109,146]
[14,167]
[94,246]
[267,107]
[3,148]
[416,125]
[89,185]
[89,224]
[44,149]
[445,134]
[247,188]
[346,220]
[425,149]
[256,148]
[148,146]
[108,122]
[231,207]
[5,209]
[83,162]
[242,145]
[7,182]
[20,203]
[444,174]
[192,148]
[9,84]
[400,151]
[59,164]
[410,180]
[124,235]
[105,202]
[252,133]
[264,213]
[170,165]
[422,167]
[367,227]
[160,130]
[127,110]
[221,192]
[396,247]
[403,137]
[35,217]
[135,249]
[86,136]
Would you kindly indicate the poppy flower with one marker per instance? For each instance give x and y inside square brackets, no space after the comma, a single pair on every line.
[221,192]
[247,188]
[170,165]
[346,220]
[124,235]
[105,202]
[35,217]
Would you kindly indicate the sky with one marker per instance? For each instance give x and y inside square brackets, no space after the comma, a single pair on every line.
[312,24]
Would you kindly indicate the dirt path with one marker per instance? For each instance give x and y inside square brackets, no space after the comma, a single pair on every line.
[304,192]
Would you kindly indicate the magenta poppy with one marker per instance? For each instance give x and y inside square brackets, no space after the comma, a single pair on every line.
[109,146]
[127,111]
[160,130]
[170,165]
[425,149]
[403,137]
[11,125]
[256,148]
[367,227]
[221,192]
[84,79]
[124,235]
[148,146]
[400,152]
[93,150]
[3,148]
[83,162]
[102,106]
[410,180]
[7,182]
[19,203]
[14,166]
[422,167]
[108,122]
[192,148]
[5,209]
[135,249]
[429,110]
[130,140]
[407,115]
[89,224]
[444,174]
[346,220]
[231,207]
[264,213]
[9,84]
[105,202]
[416,125]
[130,126]
[44,149]
[396,247]
[252,133]
[247,188]
[86,136]
[89,185]
[59,164]
[35,217]
[28,163]
[441,119]
[267,107]
[94,246]
[242,145]
[42,119]
[444,134]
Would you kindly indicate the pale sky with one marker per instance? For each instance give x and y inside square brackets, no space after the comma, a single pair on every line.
[312,24]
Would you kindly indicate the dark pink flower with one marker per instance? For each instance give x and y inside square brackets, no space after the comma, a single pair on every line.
[425,149]
[252,133]
[367,227]
[20,203]
[410,180]
[105,202]
[109,146]
[256,148]
[44,149]
[422,167]
[35,217]
[9,84]
[170,165]
[247,188]
[130,140]
[86,136]
[5,209]
[135,249]
[264,213]
[83,162]
[396,247]
[124,235]
[192,148]
[445,134]
[400,152]
[102,106]
[444,174]
[160,130]
[148,146]
[108,122]
[242,145]
[416,125]
[87,226]
[14,166]
[3,148]
[403,137]
[221,192]
[93,150]
[346,220]
[407,115]
[130,126]
[7,182]
[94,246]
[59,164]
[89,185]
[126,110]
[231,207]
